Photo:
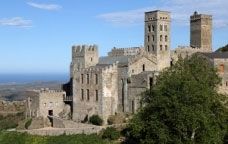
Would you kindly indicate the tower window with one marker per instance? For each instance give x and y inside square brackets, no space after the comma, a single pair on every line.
[166,47]
[165,27]
[148,38]
[143,67]
[160,37]
[96,78]
[82,79]
[161,28]
[153,28]
[88,94]
[91,59]
[96,95]
[153,37]
[149,28]
[153,47]
[161,47]
[87,78]
[82,94]
[166,38]
[148,48]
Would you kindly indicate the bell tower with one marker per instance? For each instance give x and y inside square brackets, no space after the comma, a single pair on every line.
[157,36]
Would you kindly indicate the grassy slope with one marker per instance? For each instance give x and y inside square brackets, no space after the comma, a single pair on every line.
[23,138]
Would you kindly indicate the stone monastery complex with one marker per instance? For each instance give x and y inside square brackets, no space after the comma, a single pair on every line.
[112,84]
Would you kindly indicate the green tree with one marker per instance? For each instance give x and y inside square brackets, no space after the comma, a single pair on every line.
[183,106]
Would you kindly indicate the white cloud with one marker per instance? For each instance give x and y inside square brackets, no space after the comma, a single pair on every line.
[50,7]
[16,21]
[180,12]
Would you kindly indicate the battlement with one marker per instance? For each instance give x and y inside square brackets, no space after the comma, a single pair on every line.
[197,16]
[81,50]
[157,15]
[47,90]
[125,51]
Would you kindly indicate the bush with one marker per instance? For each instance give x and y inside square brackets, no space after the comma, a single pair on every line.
[28,123]
[96,120]
[111,133]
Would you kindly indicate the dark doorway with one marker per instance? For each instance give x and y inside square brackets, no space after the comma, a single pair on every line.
[50,113]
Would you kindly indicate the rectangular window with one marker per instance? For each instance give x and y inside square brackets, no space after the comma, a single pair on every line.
[153,47]
[88,95]
[87,78]
[148,48]
[96,78]
[160,47]
[96,95]
[82,78]
[148,38]
[82,94]
[153,37]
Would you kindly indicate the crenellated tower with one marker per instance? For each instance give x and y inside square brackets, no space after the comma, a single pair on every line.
[201,32]
[83,56]
[157,36]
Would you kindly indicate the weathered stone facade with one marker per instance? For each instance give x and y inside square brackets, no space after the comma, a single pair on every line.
[45,102]
[201,31]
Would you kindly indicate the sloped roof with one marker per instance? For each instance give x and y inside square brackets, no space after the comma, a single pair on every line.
[111,60]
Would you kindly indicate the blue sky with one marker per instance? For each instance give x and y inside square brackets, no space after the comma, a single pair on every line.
[37,35]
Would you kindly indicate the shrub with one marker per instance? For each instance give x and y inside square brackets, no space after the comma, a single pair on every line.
[28,123]
[96,120]
[111,133]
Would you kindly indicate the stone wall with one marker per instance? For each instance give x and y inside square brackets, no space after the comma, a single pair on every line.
[218,64]
[7,107]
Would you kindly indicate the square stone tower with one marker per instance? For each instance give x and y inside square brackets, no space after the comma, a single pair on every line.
[201,31]
[157,36]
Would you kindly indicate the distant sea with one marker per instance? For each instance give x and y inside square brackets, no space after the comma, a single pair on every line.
[30,78]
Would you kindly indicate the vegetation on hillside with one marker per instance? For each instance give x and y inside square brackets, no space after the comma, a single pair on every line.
[23,138]
[223,49]
[183,107]
[10,121]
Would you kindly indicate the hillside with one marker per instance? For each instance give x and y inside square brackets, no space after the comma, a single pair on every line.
[222,49]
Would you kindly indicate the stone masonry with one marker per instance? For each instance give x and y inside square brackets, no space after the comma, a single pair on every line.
[113,84]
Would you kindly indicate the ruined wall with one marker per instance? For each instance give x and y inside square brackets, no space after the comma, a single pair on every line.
[7,107]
